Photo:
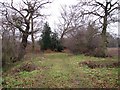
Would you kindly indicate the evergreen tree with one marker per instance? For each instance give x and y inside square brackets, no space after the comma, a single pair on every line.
[55,43]
[50,40]
[46,38]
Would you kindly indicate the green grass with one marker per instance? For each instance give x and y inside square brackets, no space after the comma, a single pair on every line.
[61,70]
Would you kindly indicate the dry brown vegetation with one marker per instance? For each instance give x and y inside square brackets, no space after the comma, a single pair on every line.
[29,48]
[113,52]
[100,64]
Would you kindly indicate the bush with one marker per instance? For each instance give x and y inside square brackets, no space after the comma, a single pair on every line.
[9,51]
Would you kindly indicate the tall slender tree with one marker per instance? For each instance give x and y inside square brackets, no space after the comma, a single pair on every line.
[46,38]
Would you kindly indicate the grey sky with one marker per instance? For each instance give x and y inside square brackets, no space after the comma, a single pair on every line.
[54,11]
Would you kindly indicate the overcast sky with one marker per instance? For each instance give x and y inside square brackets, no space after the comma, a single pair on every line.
[54,11]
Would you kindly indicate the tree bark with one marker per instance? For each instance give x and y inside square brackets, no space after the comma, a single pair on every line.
[23,46]
[32,36]
[33,43]
[104,39]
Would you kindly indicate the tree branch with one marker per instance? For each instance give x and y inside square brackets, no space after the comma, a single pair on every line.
[94,13]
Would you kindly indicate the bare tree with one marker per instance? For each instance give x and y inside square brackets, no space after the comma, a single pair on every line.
[105,11]
[21,18]
[70,20]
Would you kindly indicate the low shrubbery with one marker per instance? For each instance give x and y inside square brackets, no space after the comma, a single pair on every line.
[99,64]
[28,67]
[88,41]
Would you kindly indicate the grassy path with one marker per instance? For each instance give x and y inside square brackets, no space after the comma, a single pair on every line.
[60,70]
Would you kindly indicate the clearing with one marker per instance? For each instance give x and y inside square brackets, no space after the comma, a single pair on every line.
[59,70]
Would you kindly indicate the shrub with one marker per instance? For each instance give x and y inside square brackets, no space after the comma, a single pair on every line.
[9,50]
[97,64]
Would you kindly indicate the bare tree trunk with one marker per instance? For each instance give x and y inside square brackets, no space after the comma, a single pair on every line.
[33,43]
[62,35]
[32,36]
[104,39]
[23,46]
[14,41]
[61,38]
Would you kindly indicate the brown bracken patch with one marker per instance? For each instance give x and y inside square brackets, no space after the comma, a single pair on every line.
[25,67]
[96,64]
